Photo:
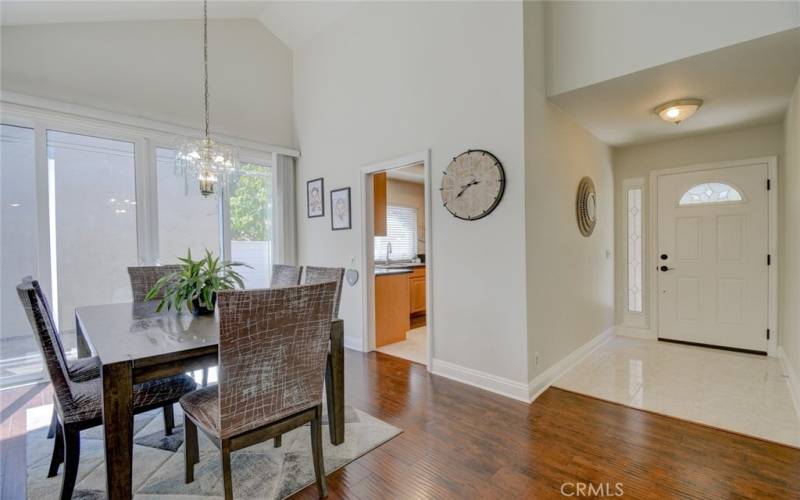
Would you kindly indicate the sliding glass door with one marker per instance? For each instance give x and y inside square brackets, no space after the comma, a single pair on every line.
[20,360]
[186,219]
[93,236]
[250,222]
[81,202]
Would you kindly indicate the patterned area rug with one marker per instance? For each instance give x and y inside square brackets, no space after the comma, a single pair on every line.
[261,471]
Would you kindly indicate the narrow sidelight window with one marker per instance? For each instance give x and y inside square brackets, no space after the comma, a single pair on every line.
[634,252]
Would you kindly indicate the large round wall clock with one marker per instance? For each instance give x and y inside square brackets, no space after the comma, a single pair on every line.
[473,184]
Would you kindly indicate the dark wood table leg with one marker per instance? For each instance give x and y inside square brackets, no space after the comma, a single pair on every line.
[118,422]
[334,383]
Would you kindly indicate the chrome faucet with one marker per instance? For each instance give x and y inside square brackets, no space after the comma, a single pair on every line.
[388,251]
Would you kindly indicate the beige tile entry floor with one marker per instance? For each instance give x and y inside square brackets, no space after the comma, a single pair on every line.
[744,393]
[414,348]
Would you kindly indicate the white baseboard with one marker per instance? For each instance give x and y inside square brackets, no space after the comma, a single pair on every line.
[542,381]
[792,378]
[636,333]
[518,390]
[354,343]
[482,380]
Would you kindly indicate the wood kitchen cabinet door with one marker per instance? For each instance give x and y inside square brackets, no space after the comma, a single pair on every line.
[392,314]
[379,185]
[417,292]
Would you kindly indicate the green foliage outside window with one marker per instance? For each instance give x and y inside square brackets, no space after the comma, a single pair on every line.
[250,203]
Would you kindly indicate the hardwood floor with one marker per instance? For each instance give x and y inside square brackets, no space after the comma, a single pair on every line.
[462,442]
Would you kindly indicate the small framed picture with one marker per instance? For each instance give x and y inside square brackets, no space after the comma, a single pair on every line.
[315,198]
[340,209]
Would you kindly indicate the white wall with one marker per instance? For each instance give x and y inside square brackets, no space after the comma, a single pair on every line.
[789,282]
[570,278]
[589,42]
[639,161]
[153,69]
[390,79]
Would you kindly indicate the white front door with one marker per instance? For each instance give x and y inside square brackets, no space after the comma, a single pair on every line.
[711,263]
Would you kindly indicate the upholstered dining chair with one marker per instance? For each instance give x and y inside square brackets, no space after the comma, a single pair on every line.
[79,404]
[143,279]
[272,348]
[324,275]
[333,383]
[283,275]
[79,370]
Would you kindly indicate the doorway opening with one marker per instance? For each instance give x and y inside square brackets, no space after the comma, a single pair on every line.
[398,319]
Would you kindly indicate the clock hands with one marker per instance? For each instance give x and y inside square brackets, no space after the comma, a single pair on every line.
[466,186]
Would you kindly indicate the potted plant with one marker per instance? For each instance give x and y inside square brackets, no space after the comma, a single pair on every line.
[196,284]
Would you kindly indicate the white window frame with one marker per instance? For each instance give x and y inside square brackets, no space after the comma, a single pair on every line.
[42,115]
[635,319]
[414,244]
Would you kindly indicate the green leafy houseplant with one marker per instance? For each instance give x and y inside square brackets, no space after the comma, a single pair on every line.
[196,284]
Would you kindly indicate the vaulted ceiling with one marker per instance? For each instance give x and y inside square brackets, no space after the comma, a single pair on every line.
[292,22]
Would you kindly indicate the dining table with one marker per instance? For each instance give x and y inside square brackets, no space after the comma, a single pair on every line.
[135,344]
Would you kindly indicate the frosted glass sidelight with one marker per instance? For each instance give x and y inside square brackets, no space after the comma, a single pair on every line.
[635,250]
[710,192]
[92,190]
[186,218]
[251,222]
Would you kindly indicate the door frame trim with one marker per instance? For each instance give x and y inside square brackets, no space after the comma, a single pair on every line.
[772,236]
[368,257]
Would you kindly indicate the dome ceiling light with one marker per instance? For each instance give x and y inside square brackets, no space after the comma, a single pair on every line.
[679,110]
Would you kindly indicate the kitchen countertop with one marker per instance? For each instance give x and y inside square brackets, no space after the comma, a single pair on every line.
[392,270]
[381,269]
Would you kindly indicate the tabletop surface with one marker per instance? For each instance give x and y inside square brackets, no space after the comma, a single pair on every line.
[129,332]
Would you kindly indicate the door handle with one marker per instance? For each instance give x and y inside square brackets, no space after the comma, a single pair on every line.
[665,269]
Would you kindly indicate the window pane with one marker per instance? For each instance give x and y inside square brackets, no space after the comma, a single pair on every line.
[635,250]
[20,359]
[710,192]
[251,223]
[401,232]
[93,221]
[186,219]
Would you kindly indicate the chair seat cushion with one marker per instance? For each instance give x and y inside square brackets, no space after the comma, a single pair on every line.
[84,369]
[85,401]
[203,406]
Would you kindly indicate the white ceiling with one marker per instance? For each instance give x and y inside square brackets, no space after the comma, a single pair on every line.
[413,173]
[293,22]
[744,84]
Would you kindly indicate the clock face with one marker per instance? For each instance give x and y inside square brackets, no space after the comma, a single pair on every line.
[473,184]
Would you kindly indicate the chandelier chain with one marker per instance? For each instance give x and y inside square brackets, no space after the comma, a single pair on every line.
[205,57]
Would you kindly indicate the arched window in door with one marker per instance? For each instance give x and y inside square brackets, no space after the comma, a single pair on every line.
[710,192]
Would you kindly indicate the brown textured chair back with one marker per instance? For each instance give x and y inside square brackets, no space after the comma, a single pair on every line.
[143,278]
[44,332]
[272,349]
[285,275]
[324,275]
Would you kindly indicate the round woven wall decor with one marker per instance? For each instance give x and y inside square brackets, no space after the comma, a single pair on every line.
[586,206]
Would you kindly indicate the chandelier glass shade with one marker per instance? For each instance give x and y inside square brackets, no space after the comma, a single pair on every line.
[209,161]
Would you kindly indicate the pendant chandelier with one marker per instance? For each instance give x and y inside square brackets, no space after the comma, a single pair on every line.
[206,159]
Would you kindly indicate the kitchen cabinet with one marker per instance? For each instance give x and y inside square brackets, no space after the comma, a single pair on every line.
[379,185]
[416,284]
[392,308]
